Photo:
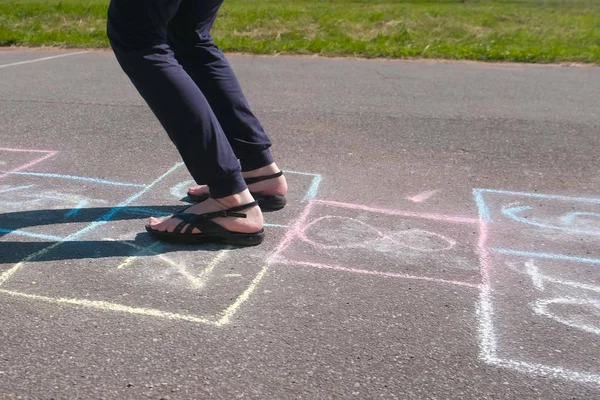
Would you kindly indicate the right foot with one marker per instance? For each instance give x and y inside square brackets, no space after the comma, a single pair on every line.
[275,186]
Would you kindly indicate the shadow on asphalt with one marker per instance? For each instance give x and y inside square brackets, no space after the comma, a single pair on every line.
[16,251]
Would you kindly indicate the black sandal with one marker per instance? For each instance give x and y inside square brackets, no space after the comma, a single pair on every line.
[265,201]
[210,231]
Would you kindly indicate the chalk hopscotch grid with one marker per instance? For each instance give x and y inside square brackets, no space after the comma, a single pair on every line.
[220,319]
[487,337]
[485,310]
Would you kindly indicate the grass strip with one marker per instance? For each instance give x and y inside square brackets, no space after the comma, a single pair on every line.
[541,31]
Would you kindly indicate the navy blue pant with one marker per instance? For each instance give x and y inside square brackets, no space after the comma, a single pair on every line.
[166,49]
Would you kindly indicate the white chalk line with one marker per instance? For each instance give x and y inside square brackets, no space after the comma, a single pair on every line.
[534,272]
[488,346]
[487,335]
[541,307]
[203,276]
[43,59]
[485,309]
[538,278]
[397,238]
[544,370]
[15,188]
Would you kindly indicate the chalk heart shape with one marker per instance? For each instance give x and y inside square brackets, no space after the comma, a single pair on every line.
[333,232]
[421,240]
[582,314]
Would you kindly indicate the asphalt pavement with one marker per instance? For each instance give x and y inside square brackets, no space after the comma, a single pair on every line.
[441,241]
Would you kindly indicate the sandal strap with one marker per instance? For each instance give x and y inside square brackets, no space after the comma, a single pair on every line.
[230,212]
[250,181]
[190,221]
[180,226]
[203,221]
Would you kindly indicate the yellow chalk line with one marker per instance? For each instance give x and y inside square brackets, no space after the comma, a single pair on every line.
[8,273]
[211,266]
[196,282]
[228,313]
[127,261]
[108,306]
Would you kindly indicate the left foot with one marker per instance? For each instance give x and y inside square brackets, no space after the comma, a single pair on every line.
[275,186]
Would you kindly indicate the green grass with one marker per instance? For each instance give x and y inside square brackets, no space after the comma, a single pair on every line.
[500,30]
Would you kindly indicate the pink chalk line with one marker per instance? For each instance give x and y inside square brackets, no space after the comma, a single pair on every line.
[298,227]
[421,197]
[30,164]
[436,217]
[303,236]
[377,273]
[295,231]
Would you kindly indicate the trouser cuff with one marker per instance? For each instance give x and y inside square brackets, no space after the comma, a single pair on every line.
[257,161]
[228,186]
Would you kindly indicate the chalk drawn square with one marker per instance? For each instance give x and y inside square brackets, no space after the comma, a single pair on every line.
[540,302]
[40,206]
[541,225]
[134,275]
[107,266]
[388,243]
[545,317]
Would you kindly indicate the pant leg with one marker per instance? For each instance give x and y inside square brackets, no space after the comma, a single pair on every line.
[190,39]
[137,30]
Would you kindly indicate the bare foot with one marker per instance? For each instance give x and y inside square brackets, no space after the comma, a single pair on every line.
[275,186]
[252,223]
[198,190]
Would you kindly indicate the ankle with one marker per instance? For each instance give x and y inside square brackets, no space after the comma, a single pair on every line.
[266,170]
[237,199]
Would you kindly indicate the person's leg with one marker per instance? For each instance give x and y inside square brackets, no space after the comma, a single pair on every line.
[137,30]
[189,37]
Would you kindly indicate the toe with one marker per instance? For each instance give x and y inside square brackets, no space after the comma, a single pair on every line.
[198,189]
[152,221]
